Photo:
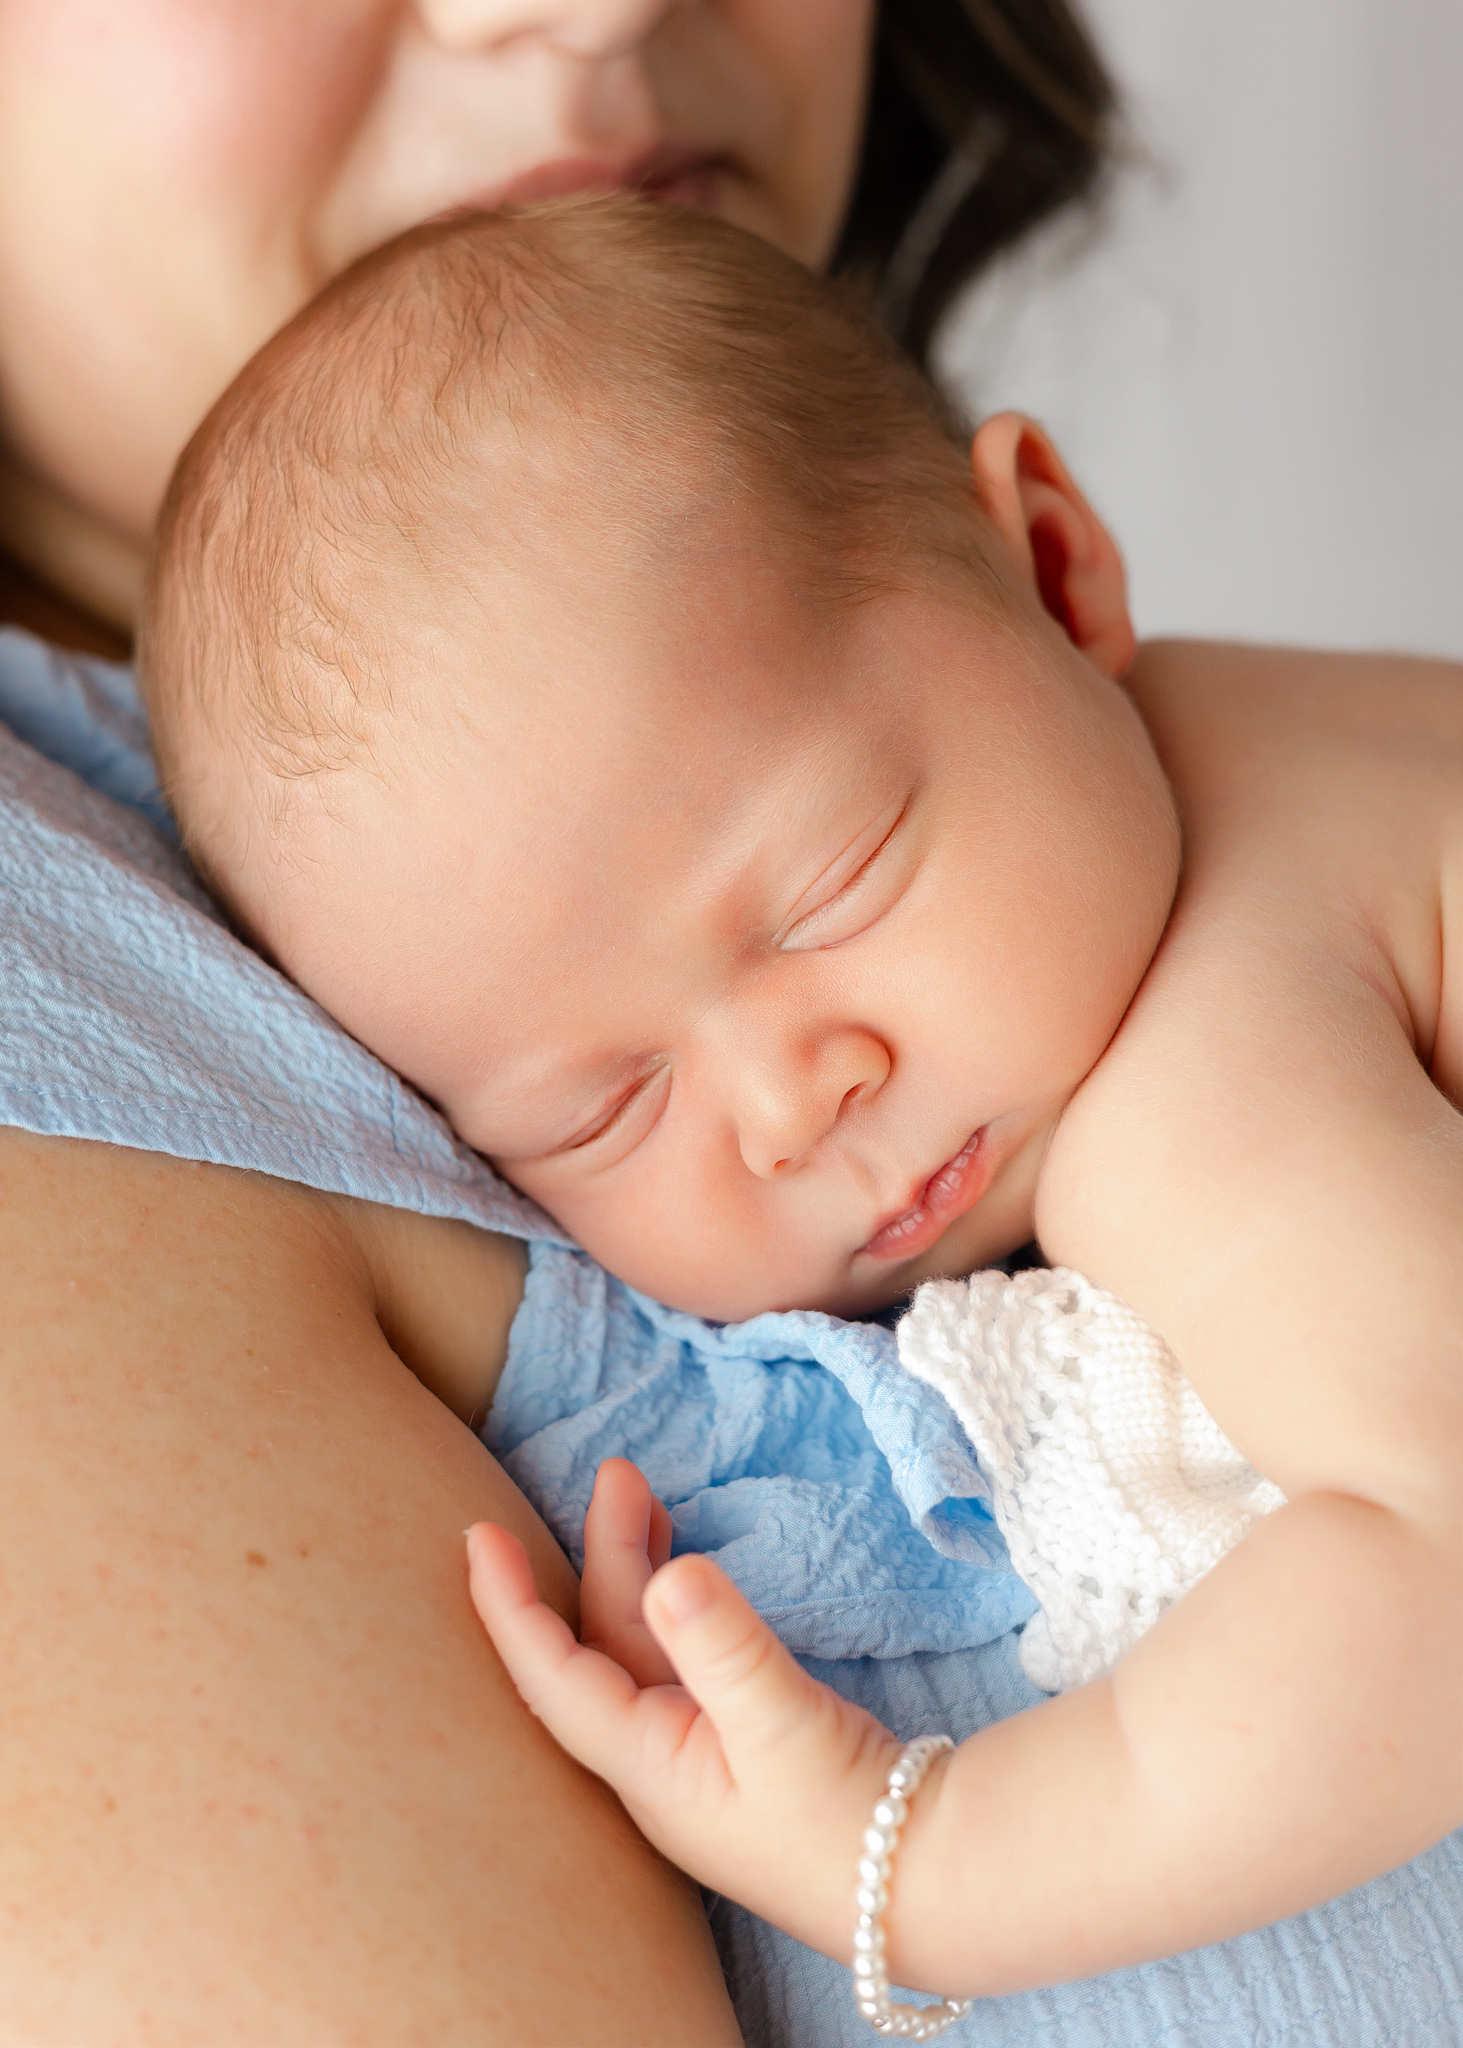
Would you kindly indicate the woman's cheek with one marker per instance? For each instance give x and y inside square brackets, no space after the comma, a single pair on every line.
[789,86]
[825,47]
[169,154]
[242,101]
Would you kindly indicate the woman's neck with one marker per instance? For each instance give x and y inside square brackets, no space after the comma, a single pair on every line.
[63,573]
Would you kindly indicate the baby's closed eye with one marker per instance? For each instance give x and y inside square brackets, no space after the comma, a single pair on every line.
[837,907]
[625,1120]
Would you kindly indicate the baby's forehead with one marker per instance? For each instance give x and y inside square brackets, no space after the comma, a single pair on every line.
[667,706]
[667,670]
[601,735]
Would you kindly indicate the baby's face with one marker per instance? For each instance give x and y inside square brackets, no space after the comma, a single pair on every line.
[761,939]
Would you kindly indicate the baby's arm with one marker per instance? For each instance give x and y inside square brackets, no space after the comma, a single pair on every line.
[1136,1817]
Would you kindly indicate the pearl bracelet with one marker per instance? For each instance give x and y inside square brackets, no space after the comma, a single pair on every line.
[881,1839]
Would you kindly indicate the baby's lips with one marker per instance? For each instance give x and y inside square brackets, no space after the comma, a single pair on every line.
[947,1189]
[952,1189]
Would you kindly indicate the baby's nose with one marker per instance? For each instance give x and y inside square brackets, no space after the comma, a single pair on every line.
[787,1109]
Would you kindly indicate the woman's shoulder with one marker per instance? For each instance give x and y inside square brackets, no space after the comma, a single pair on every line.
[131,1014]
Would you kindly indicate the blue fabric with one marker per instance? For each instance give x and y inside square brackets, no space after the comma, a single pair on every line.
[128,1012]
[840,1495]
[838,1492]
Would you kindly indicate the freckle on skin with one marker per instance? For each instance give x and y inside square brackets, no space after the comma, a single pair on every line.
[255,1557]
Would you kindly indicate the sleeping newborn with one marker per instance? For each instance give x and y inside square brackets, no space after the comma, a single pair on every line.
[473,609]
[582,655]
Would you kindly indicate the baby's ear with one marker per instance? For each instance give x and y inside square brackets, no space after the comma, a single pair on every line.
[1055,539]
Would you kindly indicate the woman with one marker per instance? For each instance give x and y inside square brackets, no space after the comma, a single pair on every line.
[265,1781]
[254,1790]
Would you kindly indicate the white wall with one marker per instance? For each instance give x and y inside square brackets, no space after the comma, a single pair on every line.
[1255,364]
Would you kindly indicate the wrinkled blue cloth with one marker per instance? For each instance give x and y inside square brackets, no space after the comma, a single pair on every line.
[837,1491]
[840,1495]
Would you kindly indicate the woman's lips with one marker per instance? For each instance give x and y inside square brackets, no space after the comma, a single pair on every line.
[670,171]
[952,1189]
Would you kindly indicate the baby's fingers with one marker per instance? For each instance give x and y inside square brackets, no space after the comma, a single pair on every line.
[534,1643]
[585,1700]
[731,1663]
[627,1534]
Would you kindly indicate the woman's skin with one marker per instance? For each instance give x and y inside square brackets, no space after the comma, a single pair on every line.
[263,1778]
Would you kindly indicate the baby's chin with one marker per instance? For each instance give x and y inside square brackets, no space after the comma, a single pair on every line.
[863,1291]
[980,1239]
[866,1301]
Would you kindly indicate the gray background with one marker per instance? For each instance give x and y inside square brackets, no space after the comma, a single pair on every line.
[1253,358]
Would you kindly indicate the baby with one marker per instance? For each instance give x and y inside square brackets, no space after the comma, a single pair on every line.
[581,655]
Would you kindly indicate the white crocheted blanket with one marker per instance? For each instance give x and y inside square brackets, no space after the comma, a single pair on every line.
[1113,1485]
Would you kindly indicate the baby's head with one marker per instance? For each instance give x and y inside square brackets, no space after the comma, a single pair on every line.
[582,656]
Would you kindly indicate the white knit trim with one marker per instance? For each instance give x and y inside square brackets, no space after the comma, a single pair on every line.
[1114,1487]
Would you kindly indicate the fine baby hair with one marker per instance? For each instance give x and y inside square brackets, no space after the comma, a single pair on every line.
[611,365]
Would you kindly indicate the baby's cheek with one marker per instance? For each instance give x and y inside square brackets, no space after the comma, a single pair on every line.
[679,1251]
[667,1235]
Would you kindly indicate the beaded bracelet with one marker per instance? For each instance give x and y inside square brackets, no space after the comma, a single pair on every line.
[881,1839]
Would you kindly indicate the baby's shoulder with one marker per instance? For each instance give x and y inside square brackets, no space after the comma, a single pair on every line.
[1279,1082]
[1279,731]
[1321,797]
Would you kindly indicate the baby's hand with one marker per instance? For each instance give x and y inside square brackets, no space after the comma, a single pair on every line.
[730,1759]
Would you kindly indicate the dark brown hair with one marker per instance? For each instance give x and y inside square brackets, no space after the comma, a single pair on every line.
[985,116]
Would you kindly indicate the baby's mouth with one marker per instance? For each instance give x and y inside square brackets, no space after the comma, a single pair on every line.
[950,1190]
